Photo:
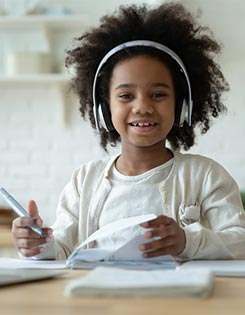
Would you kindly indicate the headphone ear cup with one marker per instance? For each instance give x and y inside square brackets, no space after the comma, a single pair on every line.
[105,117]
[181,112]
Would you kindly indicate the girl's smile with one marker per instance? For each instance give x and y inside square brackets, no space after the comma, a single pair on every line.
[140,125]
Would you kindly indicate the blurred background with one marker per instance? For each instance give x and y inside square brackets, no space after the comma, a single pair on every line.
[42,136]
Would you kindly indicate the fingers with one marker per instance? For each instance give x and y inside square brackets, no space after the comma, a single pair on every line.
[158,248]
[31,243]
[161,231]
[24,222]
[31,247]
[33,211]
[31,252]
[28,242]
[161,219]
[168,237]
[26,232]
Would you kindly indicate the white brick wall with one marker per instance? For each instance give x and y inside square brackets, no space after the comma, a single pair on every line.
[38,153]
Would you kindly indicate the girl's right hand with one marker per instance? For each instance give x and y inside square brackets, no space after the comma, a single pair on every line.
[28,242]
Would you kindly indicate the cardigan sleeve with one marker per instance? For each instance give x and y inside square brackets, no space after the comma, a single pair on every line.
[221,207]
[64,237]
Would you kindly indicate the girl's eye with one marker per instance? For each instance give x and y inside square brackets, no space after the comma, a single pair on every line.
[125,96]
[159,95]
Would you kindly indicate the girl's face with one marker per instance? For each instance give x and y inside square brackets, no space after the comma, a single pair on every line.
[142,101]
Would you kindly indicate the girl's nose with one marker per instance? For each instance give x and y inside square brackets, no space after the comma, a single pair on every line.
[142,108]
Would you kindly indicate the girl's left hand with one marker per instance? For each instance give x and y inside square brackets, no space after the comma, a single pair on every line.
[171,238]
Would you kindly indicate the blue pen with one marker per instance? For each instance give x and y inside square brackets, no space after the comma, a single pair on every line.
[19,209]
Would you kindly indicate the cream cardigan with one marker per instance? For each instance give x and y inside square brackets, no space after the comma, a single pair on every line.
[198,193]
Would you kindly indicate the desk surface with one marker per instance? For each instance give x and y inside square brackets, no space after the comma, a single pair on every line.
[46,297]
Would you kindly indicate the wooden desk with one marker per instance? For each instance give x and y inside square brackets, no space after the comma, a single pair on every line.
[46,297]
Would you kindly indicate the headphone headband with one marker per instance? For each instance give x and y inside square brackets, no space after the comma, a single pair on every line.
[146,43]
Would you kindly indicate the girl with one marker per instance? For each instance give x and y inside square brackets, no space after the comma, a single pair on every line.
[144,77]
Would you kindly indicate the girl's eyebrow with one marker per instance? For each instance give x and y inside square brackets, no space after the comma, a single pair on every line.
[160,84]
[131,85]
[125,85]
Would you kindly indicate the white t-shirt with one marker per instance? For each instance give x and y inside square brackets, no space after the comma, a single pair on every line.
[128,198]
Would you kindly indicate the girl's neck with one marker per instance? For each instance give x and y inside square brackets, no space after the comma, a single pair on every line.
[140,160]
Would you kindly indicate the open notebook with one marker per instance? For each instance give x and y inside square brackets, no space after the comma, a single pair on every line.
[127,256]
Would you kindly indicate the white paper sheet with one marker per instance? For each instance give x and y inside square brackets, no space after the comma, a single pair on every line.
[108,229]
[224,268]
[131,252]
[118,226]
[15,263]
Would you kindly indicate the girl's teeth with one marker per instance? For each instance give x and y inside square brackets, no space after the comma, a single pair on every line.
[142,124]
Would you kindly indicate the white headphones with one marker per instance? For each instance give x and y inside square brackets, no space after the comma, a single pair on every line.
[101,111]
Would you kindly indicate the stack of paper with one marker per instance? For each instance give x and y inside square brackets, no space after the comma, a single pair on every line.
[120,282]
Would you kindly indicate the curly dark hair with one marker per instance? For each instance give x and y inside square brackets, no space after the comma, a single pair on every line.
[171,25]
